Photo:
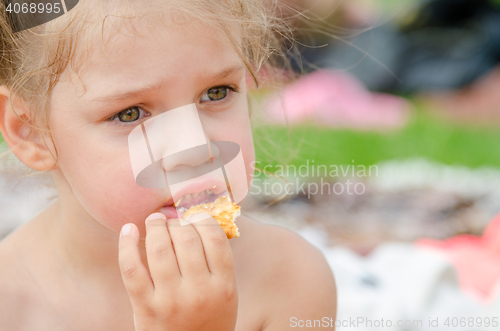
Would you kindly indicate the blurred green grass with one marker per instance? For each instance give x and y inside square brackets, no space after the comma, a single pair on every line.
[426,136]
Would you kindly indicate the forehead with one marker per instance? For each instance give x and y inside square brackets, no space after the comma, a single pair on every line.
[144,45]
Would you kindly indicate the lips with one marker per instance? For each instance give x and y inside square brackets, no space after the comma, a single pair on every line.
[204,190]
[193,199]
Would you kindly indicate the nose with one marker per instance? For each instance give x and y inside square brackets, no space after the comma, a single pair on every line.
[191,158]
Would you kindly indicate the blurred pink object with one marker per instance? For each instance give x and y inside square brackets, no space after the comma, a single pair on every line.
[476,259]
[336,99]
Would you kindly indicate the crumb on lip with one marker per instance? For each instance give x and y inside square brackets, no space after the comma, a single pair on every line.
[208,191]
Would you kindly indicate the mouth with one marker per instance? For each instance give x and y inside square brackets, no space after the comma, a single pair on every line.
[193,199]
[194,194]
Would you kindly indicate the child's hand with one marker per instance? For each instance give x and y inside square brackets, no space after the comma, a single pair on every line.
[192,284]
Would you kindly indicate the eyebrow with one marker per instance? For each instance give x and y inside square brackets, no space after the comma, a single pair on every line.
[128,95]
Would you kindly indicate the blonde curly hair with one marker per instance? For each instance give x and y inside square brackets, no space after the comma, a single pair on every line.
[32,61]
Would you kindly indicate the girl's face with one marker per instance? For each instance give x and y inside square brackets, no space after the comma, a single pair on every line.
[138,75]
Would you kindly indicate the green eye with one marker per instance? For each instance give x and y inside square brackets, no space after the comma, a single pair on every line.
[129,115]
[217,93]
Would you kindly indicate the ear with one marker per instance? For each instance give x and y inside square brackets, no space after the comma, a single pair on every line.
[26,143]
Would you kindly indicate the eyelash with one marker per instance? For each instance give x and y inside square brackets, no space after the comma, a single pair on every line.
[224,100]
[231,88]
[119,123]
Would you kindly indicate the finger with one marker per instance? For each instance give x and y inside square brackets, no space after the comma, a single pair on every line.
[161,256]
[217,248]
[188,250]
[134,274]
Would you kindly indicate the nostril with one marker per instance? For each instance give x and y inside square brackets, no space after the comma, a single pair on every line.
[189,158]
[174,168]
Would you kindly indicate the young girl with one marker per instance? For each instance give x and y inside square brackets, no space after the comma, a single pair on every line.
[101,257]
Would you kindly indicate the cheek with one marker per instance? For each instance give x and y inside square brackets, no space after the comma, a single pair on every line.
[240,132]
[101,180]
[248,151]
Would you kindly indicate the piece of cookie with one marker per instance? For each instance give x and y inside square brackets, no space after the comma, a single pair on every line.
[223,210]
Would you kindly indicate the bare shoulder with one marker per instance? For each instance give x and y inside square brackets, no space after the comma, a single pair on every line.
[296,276]
[283,249]
[22,305]
[14,292]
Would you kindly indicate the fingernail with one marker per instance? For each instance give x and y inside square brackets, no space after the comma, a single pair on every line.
[155,216]
[126,229]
